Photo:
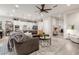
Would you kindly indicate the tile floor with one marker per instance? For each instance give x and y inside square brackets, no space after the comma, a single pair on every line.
[60,46]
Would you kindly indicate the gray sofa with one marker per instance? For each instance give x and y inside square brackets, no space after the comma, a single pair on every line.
[27,47]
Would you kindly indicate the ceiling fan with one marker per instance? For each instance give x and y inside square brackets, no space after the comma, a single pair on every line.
[43,9]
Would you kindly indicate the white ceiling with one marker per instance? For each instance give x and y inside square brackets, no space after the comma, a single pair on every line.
[29,11]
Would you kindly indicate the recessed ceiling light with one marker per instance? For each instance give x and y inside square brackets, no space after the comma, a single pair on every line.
[68,4]
[17,6]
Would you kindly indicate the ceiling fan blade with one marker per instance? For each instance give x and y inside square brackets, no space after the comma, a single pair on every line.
[48,9]
[38,7]
[42,5]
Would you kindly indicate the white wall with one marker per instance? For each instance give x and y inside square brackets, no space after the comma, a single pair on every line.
[46,26]
[40,25]
[73,19]
[53,21]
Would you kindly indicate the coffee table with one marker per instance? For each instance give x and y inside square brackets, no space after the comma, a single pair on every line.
[45,40]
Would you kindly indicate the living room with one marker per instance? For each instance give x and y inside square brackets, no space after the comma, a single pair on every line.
[44,28]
